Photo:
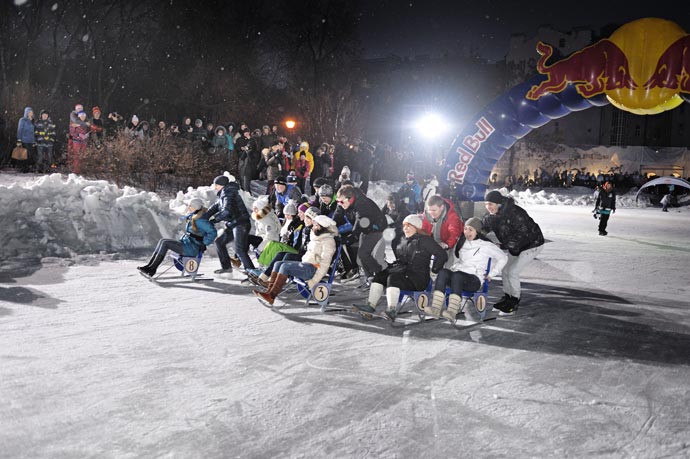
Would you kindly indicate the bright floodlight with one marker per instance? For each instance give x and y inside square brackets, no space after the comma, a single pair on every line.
[290,124]
[431,125]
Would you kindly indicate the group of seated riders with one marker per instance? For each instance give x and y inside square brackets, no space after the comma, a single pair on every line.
[295,237]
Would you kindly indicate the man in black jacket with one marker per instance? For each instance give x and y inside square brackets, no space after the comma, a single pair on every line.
[605,206]
[517,233]
[368,226]
[230,208]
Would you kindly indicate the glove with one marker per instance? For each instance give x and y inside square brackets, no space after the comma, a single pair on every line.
[212,220]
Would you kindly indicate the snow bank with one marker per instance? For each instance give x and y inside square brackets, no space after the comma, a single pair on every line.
[54,216]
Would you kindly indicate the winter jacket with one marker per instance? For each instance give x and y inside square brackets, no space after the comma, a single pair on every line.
[515,230]
[249,158]
[199,233]
[411,195]
[229,207]
[474,256]
[451,227]
[25,128]
[267,226]
[280,200]
[266,140]
[289,233]
[308,156]
[220,140]
[413,256]
[368,216]
[45,132]
[429,189]
[273,161]
[320,251]
[79,133]
[301,167]
[606,201]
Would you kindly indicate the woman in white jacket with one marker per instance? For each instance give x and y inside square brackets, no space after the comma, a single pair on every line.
[468,271]
[314,264]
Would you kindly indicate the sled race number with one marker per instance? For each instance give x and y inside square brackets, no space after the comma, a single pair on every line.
[320,293]
[468,149]
[191,266]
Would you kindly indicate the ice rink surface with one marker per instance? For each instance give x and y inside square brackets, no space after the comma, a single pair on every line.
[95,361]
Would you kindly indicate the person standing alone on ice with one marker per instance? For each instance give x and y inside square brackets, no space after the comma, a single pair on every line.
[605,206]
[517,233]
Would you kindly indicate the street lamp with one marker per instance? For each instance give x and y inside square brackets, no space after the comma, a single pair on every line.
[290,123]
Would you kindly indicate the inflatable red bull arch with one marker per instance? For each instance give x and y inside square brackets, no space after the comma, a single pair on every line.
[642,68]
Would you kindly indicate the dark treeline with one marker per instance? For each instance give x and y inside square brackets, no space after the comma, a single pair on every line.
[222,60]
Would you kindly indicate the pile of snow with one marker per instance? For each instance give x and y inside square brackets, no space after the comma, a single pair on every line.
[54,216]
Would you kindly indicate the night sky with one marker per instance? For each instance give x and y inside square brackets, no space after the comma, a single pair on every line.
[409,28]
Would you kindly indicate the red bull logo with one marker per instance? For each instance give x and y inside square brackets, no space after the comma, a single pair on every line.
[594,69]
[468,149]
[641,68]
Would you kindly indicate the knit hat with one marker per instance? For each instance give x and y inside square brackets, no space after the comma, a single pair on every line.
[291,178]
[78,107]
[326,190]
[312,213]
[96,109]
[290,209]
[324,221]
[261,202]
[475,223]
[280,180]
[494,196]
[82,112]
[319,181]
[414,220]
[303,207]
[196,204]
[135,119]
[410,176]
[221,180]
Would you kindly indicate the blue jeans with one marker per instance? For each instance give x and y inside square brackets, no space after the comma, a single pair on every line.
[282,256]
[457,281]
[304,271]
[239,234]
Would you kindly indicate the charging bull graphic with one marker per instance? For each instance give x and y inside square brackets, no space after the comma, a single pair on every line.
[594,69]
[642,68]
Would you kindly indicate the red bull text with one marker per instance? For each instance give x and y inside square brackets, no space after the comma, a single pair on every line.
[469,148]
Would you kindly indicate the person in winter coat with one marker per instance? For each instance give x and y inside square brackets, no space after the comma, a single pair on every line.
[411,195]
[134,129]
[249,157]
[199,233]
[395,212]
[605,206]
[282,193]
[300,242]
[472,255]
[220,141]
[273,157]
[665,201]
[79,133]
[517,233]
[289,232]
[186,128]
[26,135]
[199,133]
[45,140]
[314,264]
[430,188]
[304,152]
[268,137]
[97,128]
[410,270]
[230,209]
[369,223]
[442,223]
[267,228]
[301,167]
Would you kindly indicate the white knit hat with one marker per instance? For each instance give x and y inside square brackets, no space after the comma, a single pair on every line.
[196,204]
[324,221]
[261,202]
[414,220]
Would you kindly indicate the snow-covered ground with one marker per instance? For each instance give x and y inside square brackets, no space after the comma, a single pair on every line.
[98,362]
